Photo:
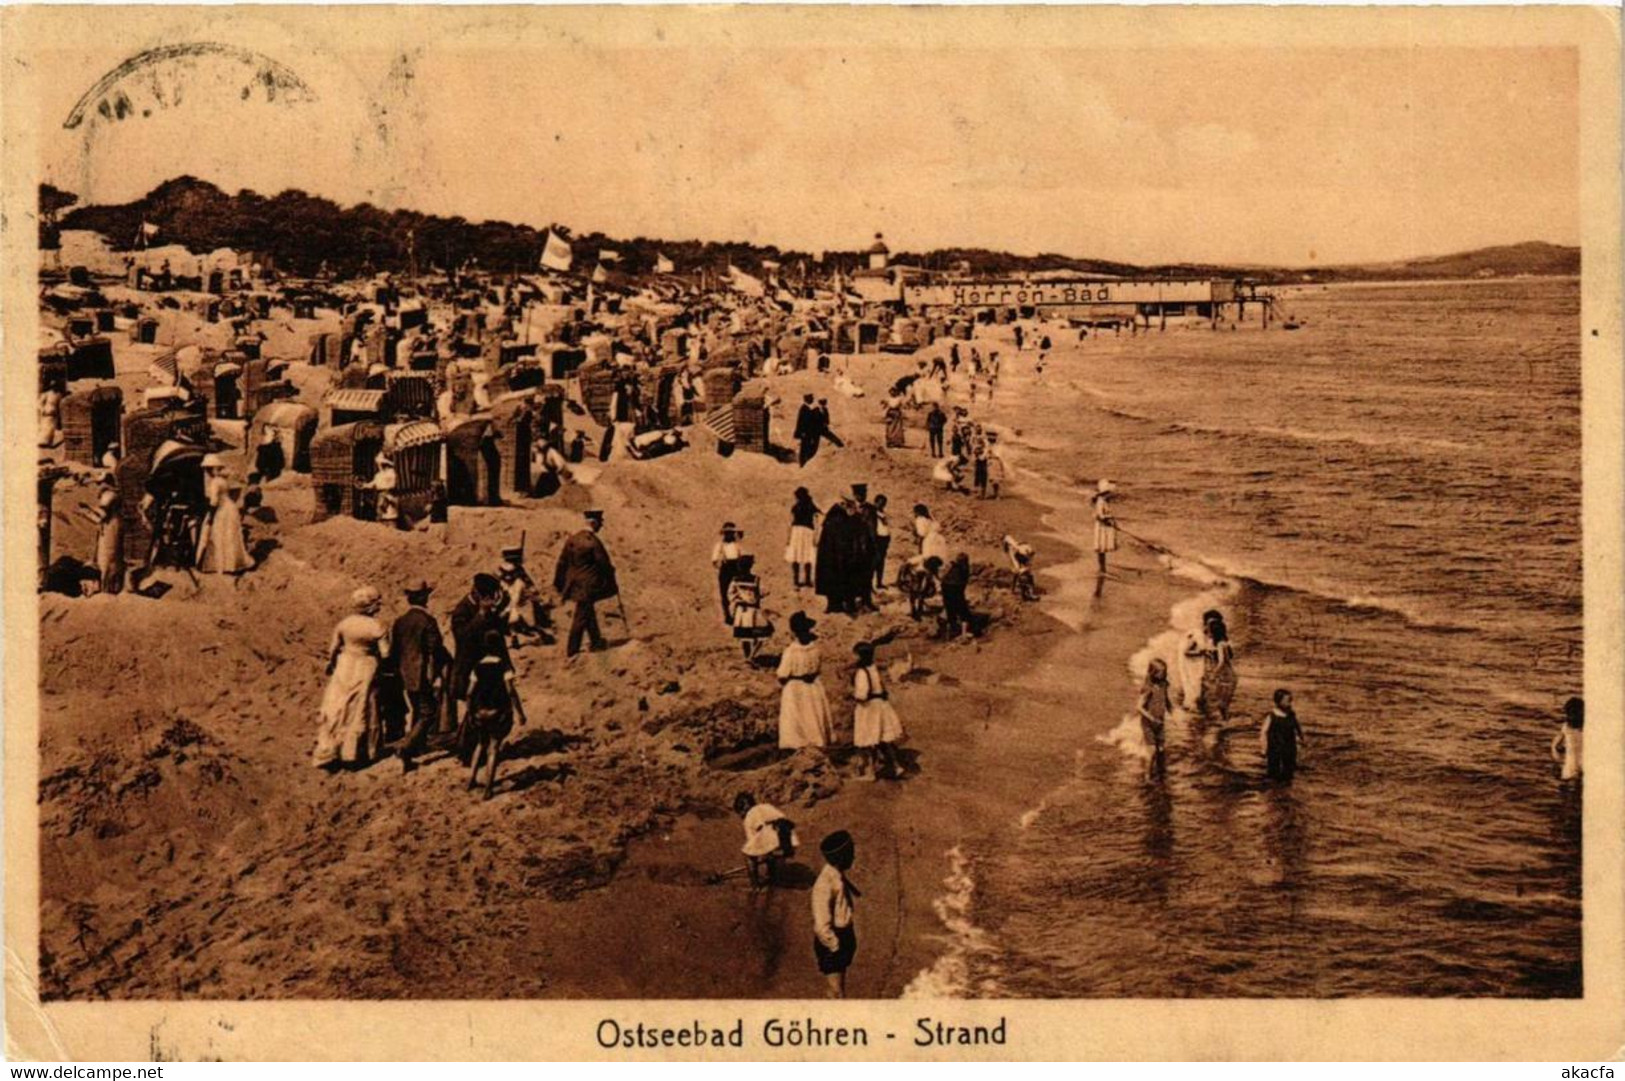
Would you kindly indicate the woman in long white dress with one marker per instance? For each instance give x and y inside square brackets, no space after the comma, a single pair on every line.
[876,728]
[350,732]
[220,547]
[804,716]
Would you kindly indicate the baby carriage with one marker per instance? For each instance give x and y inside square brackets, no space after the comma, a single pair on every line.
[751,626]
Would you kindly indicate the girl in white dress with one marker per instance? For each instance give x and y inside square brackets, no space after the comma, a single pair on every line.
[1105,522]
[804,717]
[876,728]
[802,550]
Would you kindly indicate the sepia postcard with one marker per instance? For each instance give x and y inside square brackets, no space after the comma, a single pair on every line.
[813,532]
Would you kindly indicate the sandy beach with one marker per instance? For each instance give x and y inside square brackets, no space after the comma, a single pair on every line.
[190,849]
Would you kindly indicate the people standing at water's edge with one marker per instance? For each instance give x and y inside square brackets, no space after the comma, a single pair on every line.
[804,716]
[876,728]
[1279,738]
[1568,744]
[835,939]
[1152,709]
[1219,673]
[349,732]
[1105,522]
[801,552]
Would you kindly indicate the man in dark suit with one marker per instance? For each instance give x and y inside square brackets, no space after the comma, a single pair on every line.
[420,659]
[585,575]
[809,429]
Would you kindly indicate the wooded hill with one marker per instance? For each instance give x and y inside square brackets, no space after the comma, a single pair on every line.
[302,232]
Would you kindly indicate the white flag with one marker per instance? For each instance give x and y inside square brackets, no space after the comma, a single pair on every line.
[664,265]
[598,274]
[556,252]
[605,255]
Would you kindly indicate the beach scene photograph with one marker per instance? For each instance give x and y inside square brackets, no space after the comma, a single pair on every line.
[963,513]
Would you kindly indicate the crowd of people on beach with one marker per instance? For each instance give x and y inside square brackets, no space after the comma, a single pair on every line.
[404,687]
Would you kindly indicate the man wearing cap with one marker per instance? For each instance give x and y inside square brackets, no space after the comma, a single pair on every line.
[420,657]
[585,575]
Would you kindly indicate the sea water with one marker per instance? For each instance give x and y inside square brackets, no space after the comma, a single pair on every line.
[1386,505]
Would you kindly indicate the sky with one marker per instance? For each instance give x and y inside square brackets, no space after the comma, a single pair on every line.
[1285,156]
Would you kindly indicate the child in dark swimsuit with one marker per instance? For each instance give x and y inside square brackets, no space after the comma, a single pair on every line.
[1279,737]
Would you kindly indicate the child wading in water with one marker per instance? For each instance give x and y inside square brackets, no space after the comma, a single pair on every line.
[1105,522]
[876,728]
[1568,742]
[1279,737]
[835,941]
[1153,710]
